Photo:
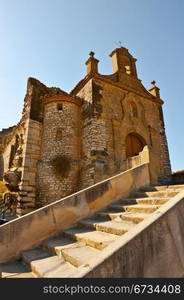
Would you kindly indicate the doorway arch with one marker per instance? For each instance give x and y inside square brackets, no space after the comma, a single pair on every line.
[134,144]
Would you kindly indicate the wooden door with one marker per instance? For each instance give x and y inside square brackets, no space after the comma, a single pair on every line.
[134,145]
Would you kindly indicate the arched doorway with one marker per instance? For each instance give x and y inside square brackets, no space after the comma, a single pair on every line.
[134,144]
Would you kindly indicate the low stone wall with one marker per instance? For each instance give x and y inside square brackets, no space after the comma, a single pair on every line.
[178,178]
[31,229]
[153,249]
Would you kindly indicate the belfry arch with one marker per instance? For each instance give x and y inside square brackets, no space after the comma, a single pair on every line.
[134,144]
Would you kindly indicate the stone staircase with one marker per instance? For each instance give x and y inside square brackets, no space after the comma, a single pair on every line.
[73,249]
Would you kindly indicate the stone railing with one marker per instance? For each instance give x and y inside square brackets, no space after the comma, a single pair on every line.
[137,160]
[133,161]
[30,229]
[145,156]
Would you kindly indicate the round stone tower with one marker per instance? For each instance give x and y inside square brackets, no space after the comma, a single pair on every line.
[59,167]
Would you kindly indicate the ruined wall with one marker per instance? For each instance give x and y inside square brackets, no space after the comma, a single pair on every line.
[20,155]
[13,146]
[14,143]
[21,148]
[31,157]
[6,136]
[59,166]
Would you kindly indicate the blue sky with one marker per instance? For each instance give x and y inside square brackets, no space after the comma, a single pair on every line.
[50,40]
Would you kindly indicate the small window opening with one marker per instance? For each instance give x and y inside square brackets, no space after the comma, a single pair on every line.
[59,134]
[60,107]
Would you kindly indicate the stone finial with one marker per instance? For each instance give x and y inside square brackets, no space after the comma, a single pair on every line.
[92,64]
[91,54]
[153,82]
[154,90]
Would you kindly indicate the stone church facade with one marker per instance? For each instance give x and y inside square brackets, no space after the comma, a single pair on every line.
[65,142]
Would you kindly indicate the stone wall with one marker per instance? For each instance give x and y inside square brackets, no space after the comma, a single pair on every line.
[28,185]
[178,177]
[21,154]
[21,146]
[14,148]
[6,138]
[59,166]
[165,166]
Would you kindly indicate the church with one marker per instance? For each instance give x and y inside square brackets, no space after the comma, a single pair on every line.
[89,183]
[66,142]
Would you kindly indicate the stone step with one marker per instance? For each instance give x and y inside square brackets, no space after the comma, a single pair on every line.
[16,269]
[152,200]
[77,253]
[128,216]
[46,265]
[163,187]
[23,275]
[119,206]
[127,201]
[117,226]
[109,214]
[134,217]
[57,243]
[145,200]
[140,208]
[169,193]
[135,207]
[93,222]
[95,239]
[37,253]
